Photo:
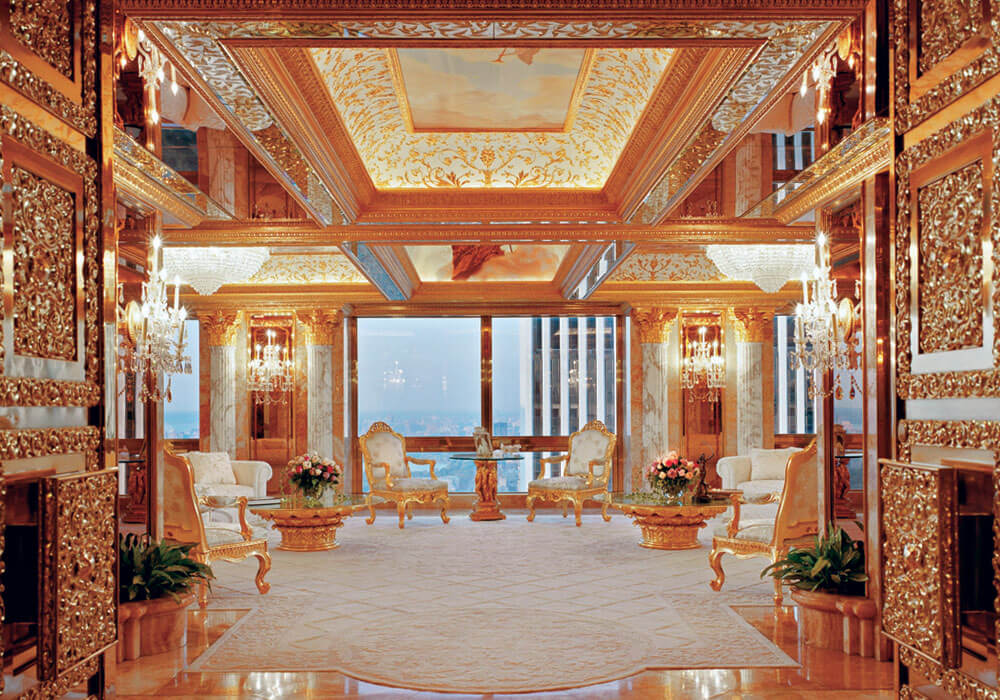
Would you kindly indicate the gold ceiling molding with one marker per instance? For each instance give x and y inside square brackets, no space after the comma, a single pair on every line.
[220,327]
[666,267]
[653,324]
[952,383]
[141,175]
[361,85]
[866,151]
[698,232]
[310,268]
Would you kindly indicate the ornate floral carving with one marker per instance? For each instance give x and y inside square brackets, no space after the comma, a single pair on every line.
[78,566]
[752,325]
[31,391]
[952,681]
[328,268]
[944,26]
[44,244]
[664,267]
[969,434]
[61,686]
[918,549]
[652,324]
[952,383]
[321,326]
[45,27]
[41,442]
[950,287]
[80,111]
[933,48]
[220,327]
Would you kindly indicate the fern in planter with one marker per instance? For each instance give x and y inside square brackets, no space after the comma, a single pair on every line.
[147,571]
[835,564]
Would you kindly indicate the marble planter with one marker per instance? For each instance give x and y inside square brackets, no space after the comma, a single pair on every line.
[845,623]
[152,626]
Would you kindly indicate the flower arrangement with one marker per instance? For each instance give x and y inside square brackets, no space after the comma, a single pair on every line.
[670,475]
[311,474]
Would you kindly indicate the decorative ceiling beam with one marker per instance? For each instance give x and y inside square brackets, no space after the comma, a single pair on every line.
[593,267]
[675,231]
[387,267]
[572,9]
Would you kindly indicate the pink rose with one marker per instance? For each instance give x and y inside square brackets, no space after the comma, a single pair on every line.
[327,476]
[298,469]
[671,473]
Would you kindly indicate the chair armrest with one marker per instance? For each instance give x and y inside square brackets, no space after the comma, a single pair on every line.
[252,473]
[733,470]
[590,469]
[734,525]
[218,503]
[553,460]
[430,462]
[244,527]
[388,474]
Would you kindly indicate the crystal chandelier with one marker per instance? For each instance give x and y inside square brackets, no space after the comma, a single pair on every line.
[207,269]
[270,372]
[703,370]
[767,266]
[825,330]
[155,333]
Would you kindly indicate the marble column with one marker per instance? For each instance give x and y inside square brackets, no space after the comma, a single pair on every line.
[322,328]
[220,333]
[751,330]
[653,331]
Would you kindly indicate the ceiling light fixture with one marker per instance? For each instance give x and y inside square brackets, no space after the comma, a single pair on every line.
[207,269]
[767,266]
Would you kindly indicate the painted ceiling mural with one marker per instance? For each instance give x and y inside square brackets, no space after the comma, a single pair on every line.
[506,263]
[619,85]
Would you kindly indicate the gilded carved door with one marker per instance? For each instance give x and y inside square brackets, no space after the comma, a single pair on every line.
[57,307]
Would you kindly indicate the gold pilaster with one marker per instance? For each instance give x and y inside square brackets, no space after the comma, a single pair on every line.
[653,324]
[220,327]
[321,327]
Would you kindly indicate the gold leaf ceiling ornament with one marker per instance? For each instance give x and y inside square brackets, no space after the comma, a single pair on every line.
[361,85]
[323,268]
[667,267]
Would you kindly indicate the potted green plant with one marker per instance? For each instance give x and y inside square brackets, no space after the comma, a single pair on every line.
[156,584]
[827,582]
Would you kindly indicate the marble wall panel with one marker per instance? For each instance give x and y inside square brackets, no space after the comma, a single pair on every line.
[320,370]
[749,397]
[222,383]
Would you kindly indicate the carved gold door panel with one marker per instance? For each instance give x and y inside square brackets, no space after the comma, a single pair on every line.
[944,49]
[947,254]
[919,553]
[78,558]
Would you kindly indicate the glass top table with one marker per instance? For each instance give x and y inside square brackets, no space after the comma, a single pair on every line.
[487,505]
[310,525]
[666,524]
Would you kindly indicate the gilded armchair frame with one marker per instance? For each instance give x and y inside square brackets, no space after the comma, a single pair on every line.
[788,530]
[404,500]
[596,485]
[182,522]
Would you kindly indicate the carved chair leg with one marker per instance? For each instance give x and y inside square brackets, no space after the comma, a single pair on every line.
[565,505]
[531,506]
[409,511]
[371,512]
[401,511]
[604,510]
[202,595]
[715,561]
[444,510]
[263,566]
[577,510]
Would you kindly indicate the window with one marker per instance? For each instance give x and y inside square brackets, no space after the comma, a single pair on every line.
[182,413]
[794,411]
[551,375]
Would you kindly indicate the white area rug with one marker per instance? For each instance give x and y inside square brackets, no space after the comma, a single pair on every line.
[505,606]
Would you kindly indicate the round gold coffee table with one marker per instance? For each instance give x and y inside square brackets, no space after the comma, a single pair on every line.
[670,525]
[306,528]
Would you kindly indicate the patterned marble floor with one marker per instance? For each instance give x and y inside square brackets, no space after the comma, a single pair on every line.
[821,674]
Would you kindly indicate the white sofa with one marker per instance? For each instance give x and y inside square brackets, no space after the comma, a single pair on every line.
[216,475]
[758,475]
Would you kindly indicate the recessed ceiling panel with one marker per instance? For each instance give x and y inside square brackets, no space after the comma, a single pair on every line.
[487,263]
[489,89]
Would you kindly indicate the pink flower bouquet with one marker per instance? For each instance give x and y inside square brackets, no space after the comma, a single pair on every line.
[312,474]
[670,475]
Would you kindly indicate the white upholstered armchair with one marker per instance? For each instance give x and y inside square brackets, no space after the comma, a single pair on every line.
[585,472]
[759,475]
[218,476]
[387,469]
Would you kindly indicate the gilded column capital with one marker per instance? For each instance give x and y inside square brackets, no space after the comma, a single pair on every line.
[652,324]
[220,327]
[321,326]
[752,325]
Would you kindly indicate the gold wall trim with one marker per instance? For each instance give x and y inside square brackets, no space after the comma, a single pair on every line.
[41,442]
[952,681]
[862,154]
[948,384]
[914,105]
[967,434]
[45,391]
